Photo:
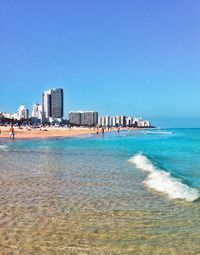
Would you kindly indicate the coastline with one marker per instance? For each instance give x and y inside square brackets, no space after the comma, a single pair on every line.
[78,193]
[49,132]
[45,133]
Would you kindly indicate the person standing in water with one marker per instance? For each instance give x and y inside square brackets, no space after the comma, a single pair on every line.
[11,132]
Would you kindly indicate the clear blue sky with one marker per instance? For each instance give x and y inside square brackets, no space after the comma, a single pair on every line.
[136,57]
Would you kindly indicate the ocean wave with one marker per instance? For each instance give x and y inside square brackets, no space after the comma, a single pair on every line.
[4,147]
[159,132]
[162,181]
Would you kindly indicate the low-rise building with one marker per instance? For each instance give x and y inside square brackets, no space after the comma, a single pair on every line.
[143,123]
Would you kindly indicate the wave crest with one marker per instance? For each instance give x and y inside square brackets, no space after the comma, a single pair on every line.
[162,181]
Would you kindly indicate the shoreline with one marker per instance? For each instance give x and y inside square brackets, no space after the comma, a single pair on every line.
[48,133]
[45,133]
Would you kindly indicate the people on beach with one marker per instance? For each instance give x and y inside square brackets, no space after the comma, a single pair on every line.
[97,132]
[11,132]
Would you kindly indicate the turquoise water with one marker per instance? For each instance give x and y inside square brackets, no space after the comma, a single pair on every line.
[147,182]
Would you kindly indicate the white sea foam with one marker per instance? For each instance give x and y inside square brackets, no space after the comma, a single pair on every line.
[3,147]
[159,132]
[162,181]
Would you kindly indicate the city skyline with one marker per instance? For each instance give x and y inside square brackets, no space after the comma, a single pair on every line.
[112,57]
[50,112]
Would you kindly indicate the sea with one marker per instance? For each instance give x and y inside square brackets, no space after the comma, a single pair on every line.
[132,192]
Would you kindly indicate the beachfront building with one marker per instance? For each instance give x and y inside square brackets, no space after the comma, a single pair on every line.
[9,115]
[75,118]
[85,118]
[113,121]
[37,111]
[103,121]
[117,123]
[122,121]
[23,112]
[143,123]
[129,121]
[89,118]
[53,105]
[46,104]
[57,106]
[107,120]
[100,121]
[37,114]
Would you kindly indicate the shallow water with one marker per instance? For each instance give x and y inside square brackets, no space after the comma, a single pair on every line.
[86,196]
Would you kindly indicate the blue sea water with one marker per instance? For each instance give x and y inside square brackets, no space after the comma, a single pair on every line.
[174,152]
[151,173]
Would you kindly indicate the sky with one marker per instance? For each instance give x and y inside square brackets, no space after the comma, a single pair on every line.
[130,57]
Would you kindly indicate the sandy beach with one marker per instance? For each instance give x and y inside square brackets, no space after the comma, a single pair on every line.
[52,132]
[47,132]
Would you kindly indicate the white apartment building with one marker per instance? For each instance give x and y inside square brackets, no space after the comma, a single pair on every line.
[37,111]
[122,121]
[113,121]
[23,112]
[107,121]
[144,123]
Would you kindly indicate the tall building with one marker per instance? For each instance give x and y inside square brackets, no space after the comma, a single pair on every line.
[129,121]
[53,104]
[23,112]
[118,120]
[100,121]
[113,121]
[57,103]
[87,118]
[46,104]
[36,112]
[107,120]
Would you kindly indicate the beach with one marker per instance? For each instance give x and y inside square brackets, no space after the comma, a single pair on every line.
[133,192]
[53,132]
[46,132]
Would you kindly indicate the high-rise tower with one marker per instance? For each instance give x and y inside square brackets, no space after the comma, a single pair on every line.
[53,104]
